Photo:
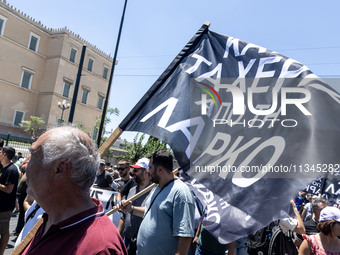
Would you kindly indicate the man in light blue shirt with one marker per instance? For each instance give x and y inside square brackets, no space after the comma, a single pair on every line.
[168,224]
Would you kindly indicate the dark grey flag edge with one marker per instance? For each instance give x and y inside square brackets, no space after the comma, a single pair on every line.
[131,121]
[189,47]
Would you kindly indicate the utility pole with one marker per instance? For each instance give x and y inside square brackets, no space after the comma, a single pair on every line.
[110,80]
[76,87]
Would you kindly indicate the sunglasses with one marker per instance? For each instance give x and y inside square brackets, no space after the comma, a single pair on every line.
[135,170]
[121,168]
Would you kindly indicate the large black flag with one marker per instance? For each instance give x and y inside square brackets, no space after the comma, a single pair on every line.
[249,127]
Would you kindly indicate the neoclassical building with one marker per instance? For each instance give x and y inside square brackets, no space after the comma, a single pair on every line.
[38,69]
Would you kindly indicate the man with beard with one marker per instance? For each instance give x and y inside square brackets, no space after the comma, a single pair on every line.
[129,223]
[124,173]
[168,224]
[125,182]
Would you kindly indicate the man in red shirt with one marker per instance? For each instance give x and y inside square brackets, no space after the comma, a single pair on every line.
[60,173]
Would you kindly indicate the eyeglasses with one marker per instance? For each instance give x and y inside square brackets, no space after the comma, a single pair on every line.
[101,164]
[121,168]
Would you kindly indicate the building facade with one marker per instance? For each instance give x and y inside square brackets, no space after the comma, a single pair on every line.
[38,69]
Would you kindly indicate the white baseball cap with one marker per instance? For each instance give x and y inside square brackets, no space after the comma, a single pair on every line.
[141,163]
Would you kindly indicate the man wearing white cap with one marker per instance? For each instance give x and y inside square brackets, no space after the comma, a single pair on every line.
[129,223]
[141,163]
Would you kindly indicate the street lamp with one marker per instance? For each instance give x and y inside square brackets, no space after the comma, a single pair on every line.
[63,106]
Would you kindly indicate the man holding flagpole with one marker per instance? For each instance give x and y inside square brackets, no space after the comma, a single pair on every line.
[168,224]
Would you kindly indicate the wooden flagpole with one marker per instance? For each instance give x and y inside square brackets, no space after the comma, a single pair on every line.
[139,194]
[27,239]
[103,149]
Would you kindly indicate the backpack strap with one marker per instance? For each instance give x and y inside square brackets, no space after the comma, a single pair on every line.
[275,232]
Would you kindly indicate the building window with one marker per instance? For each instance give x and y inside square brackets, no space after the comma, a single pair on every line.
[90,64]
[26,80]
[100,102]
[95,133]
[34,42]
[105,73]
[2,24]
[18,118]
[66,89]
[84,96]
[73,55]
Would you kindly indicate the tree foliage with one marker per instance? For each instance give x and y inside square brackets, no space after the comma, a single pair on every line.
[154,144]
[34,126]
[110,111]
[137,149]
[81,127]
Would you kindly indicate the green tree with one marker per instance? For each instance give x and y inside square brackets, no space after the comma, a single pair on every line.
[34,126]
[81,127]
[154,144]
[110,111]
[137,149]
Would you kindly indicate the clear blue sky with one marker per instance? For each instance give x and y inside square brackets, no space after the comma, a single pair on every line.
[155,31]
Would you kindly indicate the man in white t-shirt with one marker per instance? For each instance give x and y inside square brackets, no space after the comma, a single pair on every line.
[293,224]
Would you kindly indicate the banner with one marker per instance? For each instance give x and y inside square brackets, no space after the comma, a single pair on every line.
[248,126]
[107,198]
[328,188]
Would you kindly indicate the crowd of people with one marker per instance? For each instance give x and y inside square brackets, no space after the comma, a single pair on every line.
[53,189]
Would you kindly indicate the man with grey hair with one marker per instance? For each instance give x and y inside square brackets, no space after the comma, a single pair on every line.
[60,173]
[317,205]
[310,225]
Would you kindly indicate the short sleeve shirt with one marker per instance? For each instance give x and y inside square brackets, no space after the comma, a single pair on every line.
[171,215]
[103,180]
[287,224]
[8,175]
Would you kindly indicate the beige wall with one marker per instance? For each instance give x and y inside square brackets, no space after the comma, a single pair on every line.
[51,67]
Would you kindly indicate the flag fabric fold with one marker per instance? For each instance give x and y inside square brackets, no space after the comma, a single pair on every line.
[248,126]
